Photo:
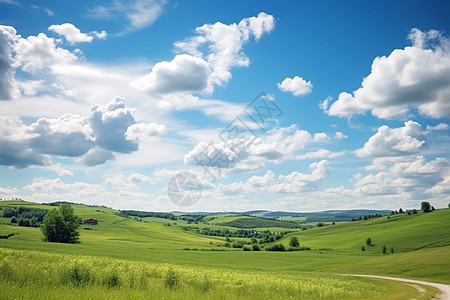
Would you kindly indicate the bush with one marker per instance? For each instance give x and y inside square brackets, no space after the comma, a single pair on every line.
[13,220]
[255,247]
[246,248]
[294,242]
[112,279]
[362,248]
[369,241]
[425,206]
[171,280]
[276,247]
[384,249]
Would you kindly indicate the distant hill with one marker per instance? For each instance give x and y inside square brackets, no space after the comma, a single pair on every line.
[309,217]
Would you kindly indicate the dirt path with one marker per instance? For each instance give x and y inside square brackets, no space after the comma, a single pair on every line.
[444,288]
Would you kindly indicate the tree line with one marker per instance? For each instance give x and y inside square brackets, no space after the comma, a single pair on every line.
[25,216]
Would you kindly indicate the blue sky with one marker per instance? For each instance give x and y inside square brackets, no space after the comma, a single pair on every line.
[104,102]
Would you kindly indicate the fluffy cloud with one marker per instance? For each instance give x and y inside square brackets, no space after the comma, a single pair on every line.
[74,35]
[109,128]
[321,153]
[39,52]
[250,153]
[224,44]
[8,87]
[294,182]
[110,123]
[138,14]
[297,86]
[440,126]
[413,77]
[401,141]
[410,178]
[69,135]
[16,149]
[185,73]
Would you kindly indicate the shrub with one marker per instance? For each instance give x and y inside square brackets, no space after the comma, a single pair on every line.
[294,242]
[112,280]
[362,248]
[255,247]
[171,280]
[246,248]
[13,220]
[425,206]
[276,247]
[369,241]
[384,249]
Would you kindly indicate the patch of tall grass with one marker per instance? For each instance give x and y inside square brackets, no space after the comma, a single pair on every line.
[40,275]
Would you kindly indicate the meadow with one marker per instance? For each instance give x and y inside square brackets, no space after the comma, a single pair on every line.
[133,257]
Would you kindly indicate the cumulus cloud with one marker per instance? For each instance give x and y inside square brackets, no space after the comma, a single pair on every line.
[16,149]
[185,73]
[440,126]
[416,77]
[138,13]
[8,87]
[410,178]
[321,153]
[250,153]
[139,130]
[224,44]
[110,123]
[406,140]
[109,128]
[73,35]
[339,135]
[69,135]
[294,182]
[39,52]
[297,86]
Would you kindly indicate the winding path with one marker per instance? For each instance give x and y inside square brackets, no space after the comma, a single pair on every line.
[444,288]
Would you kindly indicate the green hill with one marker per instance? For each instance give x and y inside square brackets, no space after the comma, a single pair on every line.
[124,243]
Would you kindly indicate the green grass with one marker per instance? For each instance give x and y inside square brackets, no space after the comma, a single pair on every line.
[60,276]
[421,243]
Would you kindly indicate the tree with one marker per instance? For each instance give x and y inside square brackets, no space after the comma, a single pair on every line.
[294,242]
[362,248]
[425,206]
[13,219]
[392,250]
[384,249]
[60,225]
[449,205]
[369,241]
[400,210]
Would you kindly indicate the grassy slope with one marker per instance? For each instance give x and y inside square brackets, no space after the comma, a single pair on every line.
[152,241]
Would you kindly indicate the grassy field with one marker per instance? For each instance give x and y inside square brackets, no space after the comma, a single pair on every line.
[144,254]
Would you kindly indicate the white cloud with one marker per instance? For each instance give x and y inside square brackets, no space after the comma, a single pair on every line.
[185,73]
[440,126]
[138,13]
[224,44]
[321,153]
[69,135]
[73,35]
[409,178]
[297,86]
[413,77]
[8,86]
[250,153]
[110,123]
[96,156]
[339,135]
[325,103]
[140,130]
[31,87]
[401,141]
[39,52]
[16,149]
[294,182]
